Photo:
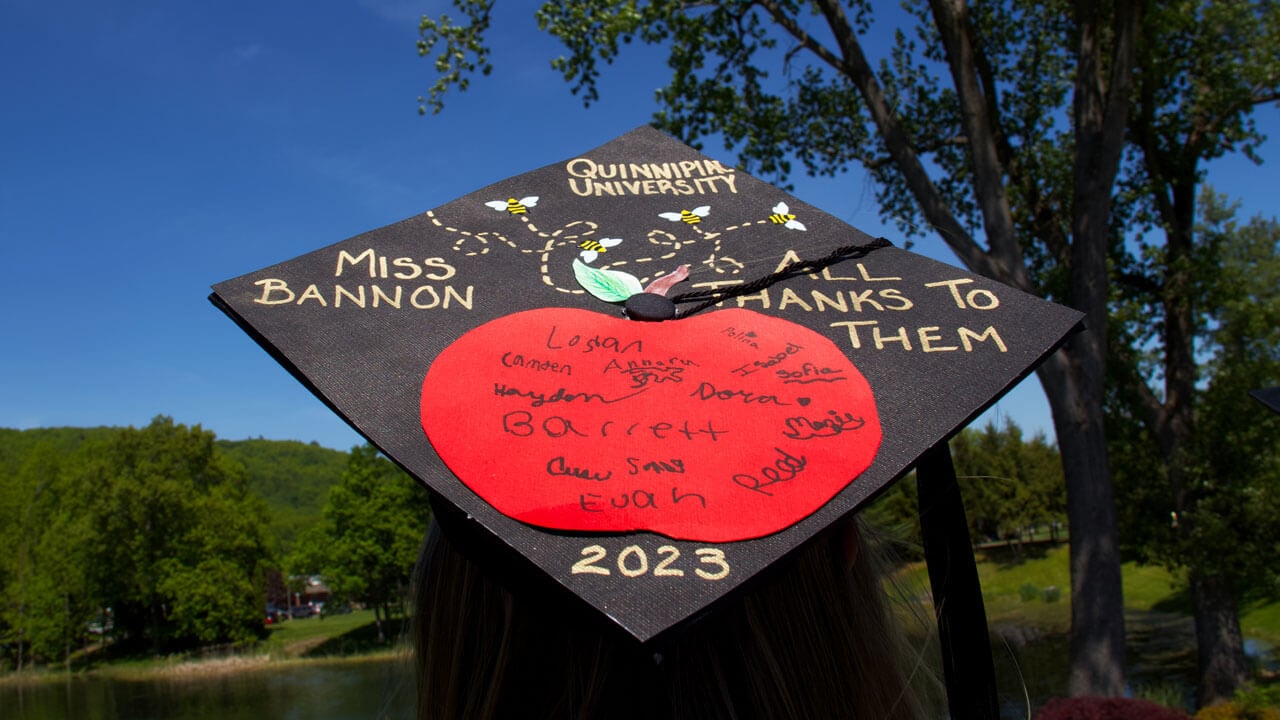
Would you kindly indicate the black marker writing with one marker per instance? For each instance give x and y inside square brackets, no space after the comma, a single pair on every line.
[657,467]
[592,343]
[559,466]
[810,373]
[707,391]
[830,425]
[538,399]
[785,467]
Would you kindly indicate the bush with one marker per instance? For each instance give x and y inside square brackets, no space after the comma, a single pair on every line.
[1099,708]
[1028,592]
[1237,711]
[1052,594]
[1252,702]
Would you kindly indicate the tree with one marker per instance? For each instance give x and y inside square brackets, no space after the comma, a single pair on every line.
[152,529]
[1202,69]
[1199,464]
[965,130]
[44,603]
[367,544]
[179,546]
[1009,486]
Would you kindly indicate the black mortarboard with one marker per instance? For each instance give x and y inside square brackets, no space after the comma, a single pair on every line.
[1268,396]
[648,467]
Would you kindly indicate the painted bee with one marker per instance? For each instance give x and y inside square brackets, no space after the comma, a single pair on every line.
[782,216]
[692,217]
[514,206]
[591,249]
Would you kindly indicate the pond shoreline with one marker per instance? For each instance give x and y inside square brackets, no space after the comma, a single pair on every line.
[179,668]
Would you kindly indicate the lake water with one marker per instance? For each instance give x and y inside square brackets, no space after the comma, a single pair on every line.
[1030,669]
[314,691]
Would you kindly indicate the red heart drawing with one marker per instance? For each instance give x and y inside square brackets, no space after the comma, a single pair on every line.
[725,426]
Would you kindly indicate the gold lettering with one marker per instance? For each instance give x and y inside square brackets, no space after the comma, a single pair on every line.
[762,297]
[411,270]
[837,303]
[450,293]
[339,291]
[789,296]
[446,270]
[380,296]
[862,270]
[789,258]
[345,258]
[899,337]
[989,333]
[581,167]
[892,294]
[435,297]
[864,297]
[852,326]
[312,293]
[951,285]
[273,285]
[928,336]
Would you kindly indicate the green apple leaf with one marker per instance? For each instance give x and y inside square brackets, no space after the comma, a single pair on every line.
[608,285]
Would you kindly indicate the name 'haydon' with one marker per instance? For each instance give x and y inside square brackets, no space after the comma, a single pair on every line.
[686,177]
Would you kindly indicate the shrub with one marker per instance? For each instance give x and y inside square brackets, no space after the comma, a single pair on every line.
[1028,592]
[1099,708]
[1052,594]
[1235,710]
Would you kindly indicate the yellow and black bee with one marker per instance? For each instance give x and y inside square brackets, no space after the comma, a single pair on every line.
[514,206]
[591,249]
[692,217]
[782,216]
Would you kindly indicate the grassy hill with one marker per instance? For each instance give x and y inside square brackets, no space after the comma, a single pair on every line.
[292,477]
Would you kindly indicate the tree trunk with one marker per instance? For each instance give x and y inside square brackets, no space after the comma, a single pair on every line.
[1097,617]
[1219,645]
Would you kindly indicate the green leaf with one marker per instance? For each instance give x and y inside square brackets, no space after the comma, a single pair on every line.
[608,285]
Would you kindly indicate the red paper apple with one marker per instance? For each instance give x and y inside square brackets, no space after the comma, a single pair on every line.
[724,426]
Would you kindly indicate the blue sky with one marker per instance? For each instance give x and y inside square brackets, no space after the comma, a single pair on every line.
[148,150]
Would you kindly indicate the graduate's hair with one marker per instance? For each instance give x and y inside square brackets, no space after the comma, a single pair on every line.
[815,638]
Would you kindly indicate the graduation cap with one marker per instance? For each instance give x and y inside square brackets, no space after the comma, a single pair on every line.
[650,468]
[1267,396]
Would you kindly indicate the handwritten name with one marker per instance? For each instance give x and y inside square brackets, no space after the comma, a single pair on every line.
[592,343]
[785,468]
[831,425]
[516,360]
[707,391]
[643,372]
[744,370]
[558,466]
[522,423]
[636,499]
[810,373]
[538,399]
[657,467]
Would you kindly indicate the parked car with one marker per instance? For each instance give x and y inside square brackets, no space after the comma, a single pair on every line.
[302,611]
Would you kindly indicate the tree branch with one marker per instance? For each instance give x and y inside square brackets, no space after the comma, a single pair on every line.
[952,20]
[807,41]
[853,65]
